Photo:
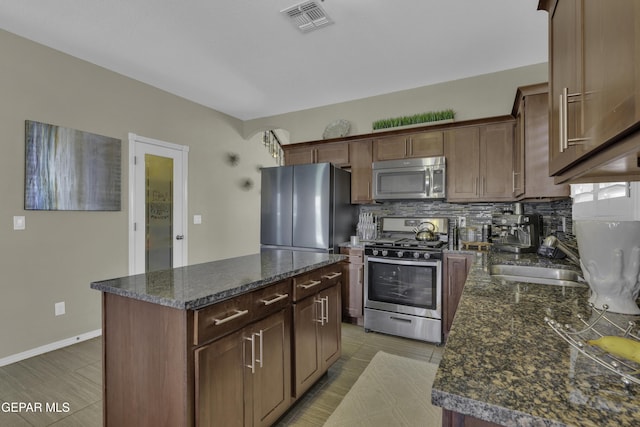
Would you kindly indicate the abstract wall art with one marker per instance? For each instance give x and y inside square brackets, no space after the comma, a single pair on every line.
[68,169]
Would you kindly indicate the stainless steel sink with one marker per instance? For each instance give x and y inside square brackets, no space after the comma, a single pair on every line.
[541,275]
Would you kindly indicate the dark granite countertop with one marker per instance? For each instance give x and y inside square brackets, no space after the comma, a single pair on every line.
[502,363]
[196,286]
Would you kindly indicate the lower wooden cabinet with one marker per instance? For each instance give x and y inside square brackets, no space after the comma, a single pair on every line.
[239,362]
[353,286]
[455,419]
[244,379]
[455,270]
[317,331]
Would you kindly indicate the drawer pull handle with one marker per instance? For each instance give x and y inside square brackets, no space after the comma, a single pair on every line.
[309,284]
[238,313]
[279,297]
[332,275]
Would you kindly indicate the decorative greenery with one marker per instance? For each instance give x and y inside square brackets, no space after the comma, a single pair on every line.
[432,116]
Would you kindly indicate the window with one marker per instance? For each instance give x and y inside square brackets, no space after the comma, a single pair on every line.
[601,191]
[615,201]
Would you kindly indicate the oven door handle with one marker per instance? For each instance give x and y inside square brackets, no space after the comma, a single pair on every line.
[397,261]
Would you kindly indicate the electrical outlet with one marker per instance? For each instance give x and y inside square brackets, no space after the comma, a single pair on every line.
[562,227]
[59,308]
[462,221]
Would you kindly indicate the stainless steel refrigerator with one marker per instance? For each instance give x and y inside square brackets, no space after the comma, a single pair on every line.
[306,207]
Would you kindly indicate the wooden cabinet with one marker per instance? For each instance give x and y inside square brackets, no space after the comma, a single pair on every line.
[244,379]
[455,270]
[594,58]
[480,162]
[336,153]
[532,179]
[455,419]
[353,286]
[316,318]
[425,144]
[361,156]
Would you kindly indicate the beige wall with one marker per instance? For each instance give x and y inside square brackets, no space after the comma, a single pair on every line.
[471,98]
[60,253]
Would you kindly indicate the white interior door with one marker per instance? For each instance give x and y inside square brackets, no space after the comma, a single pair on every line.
[157,204]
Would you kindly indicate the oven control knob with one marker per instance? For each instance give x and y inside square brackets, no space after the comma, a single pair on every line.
[385,253]
[374,251]
[416,254]
[400,254]
[427,255]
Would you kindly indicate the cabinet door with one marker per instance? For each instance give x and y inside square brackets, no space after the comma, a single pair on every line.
[611,68]
[299,156]
[220,383]
[538,183]
[456,268]
[307,361]
[462,150]
[361,173]
[519,151]
[496,161]
[271,388]
[390,148]
[329,330]
[565,50]
[426,144]
[353,286]
[336,153]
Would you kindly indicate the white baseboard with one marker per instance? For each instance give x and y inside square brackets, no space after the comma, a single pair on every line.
[49,347]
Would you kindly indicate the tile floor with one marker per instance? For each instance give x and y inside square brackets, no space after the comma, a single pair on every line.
[72,376]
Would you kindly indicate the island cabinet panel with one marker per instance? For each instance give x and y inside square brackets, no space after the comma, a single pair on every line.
[316,318]
[147,364]
[244,379]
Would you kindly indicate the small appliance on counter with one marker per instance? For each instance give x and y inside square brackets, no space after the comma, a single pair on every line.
[516,232]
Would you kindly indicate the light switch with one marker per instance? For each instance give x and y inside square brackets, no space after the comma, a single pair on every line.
[197,219]
[19,223]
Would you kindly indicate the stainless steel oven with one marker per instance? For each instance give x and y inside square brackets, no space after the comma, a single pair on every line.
[403,288]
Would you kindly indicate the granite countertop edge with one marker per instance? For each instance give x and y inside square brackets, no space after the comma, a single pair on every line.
[212,295]
[451,389]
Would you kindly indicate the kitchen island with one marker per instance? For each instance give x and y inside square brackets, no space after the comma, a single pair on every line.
[230,342]
[504,365]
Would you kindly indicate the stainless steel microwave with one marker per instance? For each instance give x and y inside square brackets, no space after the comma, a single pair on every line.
[408,179]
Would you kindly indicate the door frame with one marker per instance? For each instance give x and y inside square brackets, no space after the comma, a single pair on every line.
[183,153]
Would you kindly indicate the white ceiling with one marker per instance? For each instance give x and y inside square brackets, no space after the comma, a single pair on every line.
[246,59]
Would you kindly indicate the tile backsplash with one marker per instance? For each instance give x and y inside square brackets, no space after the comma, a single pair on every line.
[476,214]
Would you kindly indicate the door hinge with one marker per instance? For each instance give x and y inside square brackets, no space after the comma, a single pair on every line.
[135,226]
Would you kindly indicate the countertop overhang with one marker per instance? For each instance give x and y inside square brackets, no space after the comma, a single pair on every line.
[196,286]
[503,364]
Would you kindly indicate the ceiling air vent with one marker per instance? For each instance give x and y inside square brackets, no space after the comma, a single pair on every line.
[307,16]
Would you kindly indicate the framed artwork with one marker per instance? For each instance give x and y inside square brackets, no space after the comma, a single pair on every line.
[68,169]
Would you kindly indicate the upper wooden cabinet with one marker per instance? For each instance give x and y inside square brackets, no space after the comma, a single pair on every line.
[531,148]
[594,59]
[480,162]
[361,173]
[336,153]
[425,144]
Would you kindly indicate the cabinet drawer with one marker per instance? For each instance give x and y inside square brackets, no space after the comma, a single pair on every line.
[332,274]
[307,284]
[271,299]
[221,318]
